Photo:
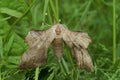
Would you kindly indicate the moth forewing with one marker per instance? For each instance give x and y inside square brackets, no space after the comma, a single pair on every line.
[87,61]
[30,38]
[78,41]
[83,39]
[36,54]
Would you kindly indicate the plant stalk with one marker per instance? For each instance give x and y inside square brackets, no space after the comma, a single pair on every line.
[114,32]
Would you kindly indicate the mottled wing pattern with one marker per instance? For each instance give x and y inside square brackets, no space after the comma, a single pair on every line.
[78,42]
[36,54]
[34,36]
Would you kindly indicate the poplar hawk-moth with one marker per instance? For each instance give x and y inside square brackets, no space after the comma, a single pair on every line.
[40,40]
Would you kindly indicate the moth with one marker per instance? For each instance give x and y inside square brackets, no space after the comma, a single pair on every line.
[40,40]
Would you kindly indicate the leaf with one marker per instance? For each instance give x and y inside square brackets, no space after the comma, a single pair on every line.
[4,19]
[65,65]
[11,66]
[13,59]
[53,71]
[118,49]
[9,45]
[11,12]
[18,46]
[1,47]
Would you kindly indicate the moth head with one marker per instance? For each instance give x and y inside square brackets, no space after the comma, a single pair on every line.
[58,30]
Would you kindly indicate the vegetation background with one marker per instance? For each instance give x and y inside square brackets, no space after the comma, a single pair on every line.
[100,18]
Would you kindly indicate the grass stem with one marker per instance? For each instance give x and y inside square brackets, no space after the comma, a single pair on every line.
[114,32]
[36,73]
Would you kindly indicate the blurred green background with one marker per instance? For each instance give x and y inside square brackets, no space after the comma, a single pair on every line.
[95,17]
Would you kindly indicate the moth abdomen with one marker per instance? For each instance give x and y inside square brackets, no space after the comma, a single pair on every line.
[58,47]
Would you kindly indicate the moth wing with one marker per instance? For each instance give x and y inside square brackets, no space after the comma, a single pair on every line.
[78,43]
[83,59]
[34,36]
[77,37]
[36,54]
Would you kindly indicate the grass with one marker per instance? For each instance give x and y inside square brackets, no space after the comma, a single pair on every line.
[91,16]
[114,31]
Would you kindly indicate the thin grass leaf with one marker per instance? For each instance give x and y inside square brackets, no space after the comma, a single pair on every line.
[13,60]
[51,76]
[45,10]
[1,48]
[49,16]
[0,74]
[118,50]
[57,9]
[5,19]
[54,70]
[65,65]
[36,73]
[54,10]
[70,58]
[8,45]
[84,14]
[35,16]
[115,75]
[114,32]
[11,12]
[107,75]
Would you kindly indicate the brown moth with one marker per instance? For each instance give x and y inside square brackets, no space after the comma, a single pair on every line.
[39,41]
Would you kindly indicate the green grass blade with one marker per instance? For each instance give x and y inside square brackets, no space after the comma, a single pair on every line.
[35,16]
[36,73]
[1,54]
[54,10]
[9,45]
[49,16]
[114,32]
[84,14]
[45,10]
[0,73]
[11,12]
[57,10]
[1,48]
[65,66]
